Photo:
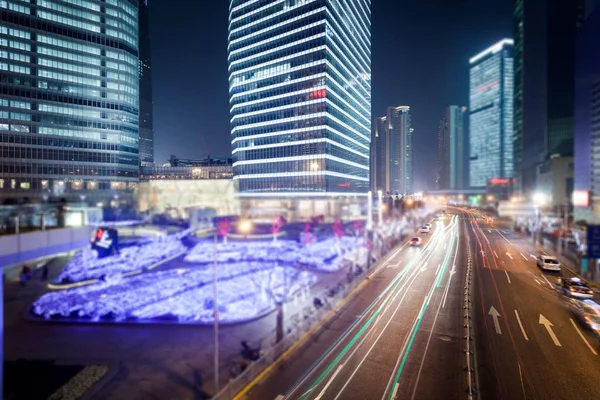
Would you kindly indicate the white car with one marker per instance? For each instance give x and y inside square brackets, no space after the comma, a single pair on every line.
[425,229]
[548,263]
[428,225]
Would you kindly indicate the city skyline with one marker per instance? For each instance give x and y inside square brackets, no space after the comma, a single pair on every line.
[200,121]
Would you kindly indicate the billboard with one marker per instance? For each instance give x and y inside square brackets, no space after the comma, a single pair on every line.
[105,242]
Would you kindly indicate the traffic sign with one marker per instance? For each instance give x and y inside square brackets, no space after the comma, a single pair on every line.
[593,241]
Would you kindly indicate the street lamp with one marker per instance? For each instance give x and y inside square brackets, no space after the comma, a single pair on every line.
[245,226]
[380,196]
[370,211]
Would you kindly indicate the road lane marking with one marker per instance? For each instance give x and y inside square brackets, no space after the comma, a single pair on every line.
[489,231]
[548,325]
[536,281]
[337,371]
[509,256]
[522,255]
[496,254]
[583,337]
[280,397]
[452,272]
[507,276]
[495,314]
[521,326]
[534,257]
[522,383]
[437,271]
[504,237]
[546,279]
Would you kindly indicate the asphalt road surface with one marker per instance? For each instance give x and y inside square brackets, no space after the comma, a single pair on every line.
[529,345]
[403,335]
[400,337]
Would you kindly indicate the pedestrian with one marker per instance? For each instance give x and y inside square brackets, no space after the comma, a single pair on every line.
[45,272]
[27,271]
[22,278]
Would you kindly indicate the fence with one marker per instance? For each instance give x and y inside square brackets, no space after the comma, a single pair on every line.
[301,325]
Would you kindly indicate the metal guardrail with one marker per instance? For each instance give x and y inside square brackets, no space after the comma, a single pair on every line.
[310,318]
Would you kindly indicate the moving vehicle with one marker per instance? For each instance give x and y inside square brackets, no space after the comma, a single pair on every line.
[428,225]
[425,229]
[588,313]
[575,287]
[548,263]
[416,241]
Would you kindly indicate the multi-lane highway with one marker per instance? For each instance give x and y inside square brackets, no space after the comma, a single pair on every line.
[469,308]
[528,343]
[401,337]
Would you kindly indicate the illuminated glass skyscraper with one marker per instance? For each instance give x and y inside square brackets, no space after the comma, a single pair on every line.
[69,98]
[491,114]
[300,96]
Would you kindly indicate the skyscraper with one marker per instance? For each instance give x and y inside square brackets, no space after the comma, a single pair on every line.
[380,156]
[451,152]
[587,119]
[401,149]
[146,104]
[392,152]
[69,98]
[300,96]
[491,114]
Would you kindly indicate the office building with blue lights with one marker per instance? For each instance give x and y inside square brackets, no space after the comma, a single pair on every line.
[491,114]
[300,97]
[69,99]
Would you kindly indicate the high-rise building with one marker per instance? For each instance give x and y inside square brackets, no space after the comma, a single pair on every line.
[491,114]
[544,32]
[69,99]
[587,119]
[146,103]
[451,149]
[401,150]
[300,97]
[380,156]
[392,152]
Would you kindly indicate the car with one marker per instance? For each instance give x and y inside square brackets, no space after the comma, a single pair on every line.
[588,313]
[548,263]
[425,229]
[428,225]
[575,287]
[416,241]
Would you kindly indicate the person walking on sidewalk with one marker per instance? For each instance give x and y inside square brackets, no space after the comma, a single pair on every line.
[23,277]
[45,272]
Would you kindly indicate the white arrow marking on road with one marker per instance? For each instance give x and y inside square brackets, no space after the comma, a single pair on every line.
[509,256]
[521,325]
[452,272]
[423,268]
[534,257]
[337,371]
[507,277]
[583,337]
[489,231]
[548,325]
[522,255]
[496,254]
[495,314]
[392,266]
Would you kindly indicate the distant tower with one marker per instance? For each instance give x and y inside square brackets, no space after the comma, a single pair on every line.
[491,114]
[451,154]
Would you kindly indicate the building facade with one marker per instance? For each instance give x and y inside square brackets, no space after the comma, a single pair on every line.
[401,150]
[146,103]
[300,97]
[380,156]
[451,149]
[491,114]
[69,98]
[587,119]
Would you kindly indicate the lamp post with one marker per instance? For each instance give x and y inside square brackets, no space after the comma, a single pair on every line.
[380,197]
[370,211]
[216,312]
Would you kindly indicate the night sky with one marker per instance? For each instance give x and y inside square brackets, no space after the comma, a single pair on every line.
[420,53]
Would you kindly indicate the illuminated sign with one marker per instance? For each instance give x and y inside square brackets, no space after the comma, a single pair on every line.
[581,198]
[105,242]
[347,184]
[499,181]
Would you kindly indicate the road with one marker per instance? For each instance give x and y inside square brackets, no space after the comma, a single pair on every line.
[400,337]
[528,345]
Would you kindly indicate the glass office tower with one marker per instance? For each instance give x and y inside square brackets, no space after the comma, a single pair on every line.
[491,114]
[451,152]
[69,98]
[146,103]
[300,96]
